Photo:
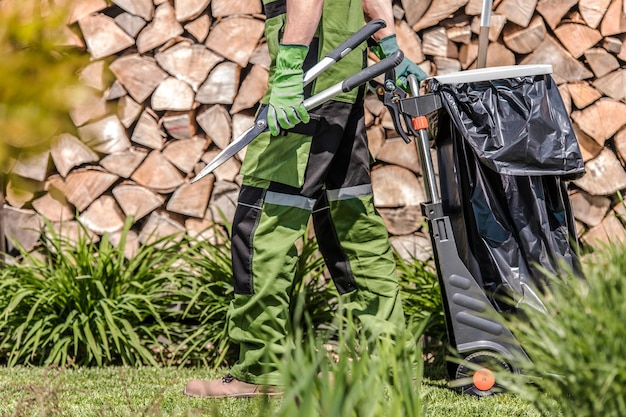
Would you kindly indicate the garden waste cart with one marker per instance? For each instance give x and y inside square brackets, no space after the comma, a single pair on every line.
[498,210]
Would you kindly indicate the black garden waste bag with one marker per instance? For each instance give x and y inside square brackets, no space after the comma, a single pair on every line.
[505,148]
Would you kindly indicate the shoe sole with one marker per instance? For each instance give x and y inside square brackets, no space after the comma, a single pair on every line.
[251,395]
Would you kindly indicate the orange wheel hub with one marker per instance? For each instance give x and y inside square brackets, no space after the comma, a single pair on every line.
[484,379]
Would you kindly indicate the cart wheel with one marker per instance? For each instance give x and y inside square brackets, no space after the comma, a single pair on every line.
[480,381]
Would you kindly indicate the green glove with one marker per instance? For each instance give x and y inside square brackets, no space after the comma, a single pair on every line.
[389,45]
[286,108]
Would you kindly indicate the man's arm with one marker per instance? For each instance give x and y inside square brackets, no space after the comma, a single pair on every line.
[386,37]
[303,16]
[380,9]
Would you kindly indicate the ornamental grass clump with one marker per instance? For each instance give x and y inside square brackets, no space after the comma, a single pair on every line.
[577,350]
[84,302]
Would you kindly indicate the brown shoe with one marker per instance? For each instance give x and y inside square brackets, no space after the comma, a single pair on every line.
[228,386]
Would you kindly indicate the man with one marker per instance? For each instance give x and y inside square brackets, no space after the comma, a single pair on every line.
[319,168]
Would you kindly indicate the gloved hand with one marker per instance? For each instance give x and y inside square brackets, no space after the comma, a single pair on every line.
[389,46]
[286,108]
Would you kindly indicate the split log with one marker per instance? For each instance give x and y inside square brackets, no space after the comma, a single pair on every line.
[223,8]
[601,61]
[235,38]
[68,151]
[184,154]
[93,75]
[205,230]
[199,28]
[593,11]
[565,67]
[188,62]
[525,40]
[103,216]
[158,174]
[128,110]
[518,12]
[468,54]
[87,109]
[589,148]
[71,233]
[496,25]
[554,10]
[223,202]
[613,84]
[435,42]
[602,119]
[85,8]
[577,38]
[610,231]
[105,136]
[460,34]
[396,187]
[589,209]
[32,164]
[161,226]
[410,247]
[438,11]
[22,228]
[402,221]
[130,23]
[414,10]
[20,191]
[221,86]
[446,65]
[190,9]
[173,94]
[163,28]
[115,91]
[54,207]
[583,94]
[567,97]
[179,125]
[147,131]
[375,139]
[192,199]
[216,123]
[620,144]
[612,44]
[103,36]
[129,240]
[614,22]
[261,56]
[141,8]
[228,171]
[604,175]
[139,75]
[252,89]
[123,164]
[499,55]
[622,52]
[409,42]
[82,187]
[395,151]
[137,201]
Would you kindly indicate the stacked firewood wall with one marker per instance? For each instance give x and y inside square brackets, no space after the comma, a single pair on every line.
[176,80]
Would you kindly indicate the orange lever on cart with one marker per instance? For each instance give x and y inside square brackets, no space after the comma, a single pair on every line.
[419,123]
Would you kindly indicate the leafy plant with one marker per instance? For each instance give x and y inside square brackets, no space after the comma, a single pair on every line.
[577,349]
[422,302]
[359,382]
[83,302]
[38,77]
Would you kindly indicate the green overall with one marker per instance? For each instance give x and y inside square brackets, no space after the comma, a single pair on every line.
[323,173]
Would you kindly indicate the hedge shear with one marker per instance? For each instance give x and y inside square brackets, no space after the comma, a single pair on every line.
[356,80]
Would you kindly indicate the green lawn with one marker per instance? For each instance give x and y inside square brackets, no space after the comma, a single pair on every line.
[158,392]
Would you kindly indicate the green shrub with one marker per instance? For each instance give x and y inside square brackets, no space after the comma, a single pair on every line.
[577,349]
[422,302]
[83,302]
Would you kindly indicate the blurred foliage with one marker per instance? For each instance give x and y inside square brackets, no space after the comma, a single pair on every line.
[38,75]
